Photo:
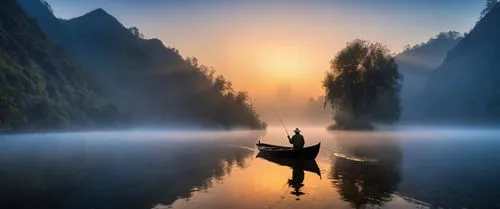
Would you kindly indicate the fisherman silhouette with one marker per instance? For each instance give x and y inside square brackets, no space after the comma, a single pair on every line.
[297,140]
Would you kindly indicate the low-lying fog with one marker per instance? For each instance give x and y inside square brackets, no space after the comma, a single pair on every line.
[415,166]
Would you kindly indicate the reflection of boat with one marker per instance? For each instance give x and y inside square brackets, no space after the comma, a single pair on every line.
[306,165]
[308,153]
[298,167]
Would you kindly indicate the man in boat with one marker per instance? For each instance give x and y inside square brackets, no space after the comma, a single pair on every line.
[297,140]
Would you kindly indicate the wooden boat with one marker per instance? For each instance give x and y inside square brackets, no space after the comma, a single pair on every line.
[306,153]
[306,165]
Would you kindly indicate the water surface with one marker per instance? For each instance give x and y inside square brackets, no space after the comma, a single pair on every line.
[410,167]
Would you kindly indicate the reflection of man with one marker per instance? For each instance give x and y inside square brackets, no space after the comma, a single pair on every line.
[296,182]
[297,140]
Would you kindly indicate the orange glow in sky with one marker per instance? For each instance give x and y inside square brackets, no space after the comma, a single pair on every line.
[264,47]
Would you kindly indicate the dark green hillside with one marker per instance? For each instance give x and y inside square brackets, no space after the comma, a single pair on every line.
[151,83]
[40,86]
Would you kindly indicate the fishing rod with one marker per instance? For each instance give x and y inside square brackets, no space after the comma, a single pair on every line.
[283,124]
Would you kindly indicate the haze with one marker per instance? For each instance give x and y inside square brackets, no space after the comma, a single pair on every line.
[276,50]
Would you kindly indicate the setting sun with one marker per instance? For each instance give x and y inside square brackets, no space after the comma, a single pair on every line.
[283,64]
[221,104]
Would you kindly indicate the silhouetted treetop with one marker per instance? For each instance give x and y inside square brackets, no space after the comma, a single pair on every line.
[46,4]
[489,5]
[135,32]
[443,36]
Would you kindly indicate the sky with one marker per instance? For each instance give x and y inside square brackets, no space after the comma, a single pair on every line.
[277,49]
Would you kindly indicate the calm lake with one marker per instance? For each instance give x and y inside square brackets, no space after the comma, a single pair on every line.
[407,167]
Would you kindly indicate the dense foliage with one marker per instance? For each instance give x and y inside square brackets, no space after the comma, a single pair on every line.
[150,83]
[219,102]
[361,76]
[40,87]
[489,5]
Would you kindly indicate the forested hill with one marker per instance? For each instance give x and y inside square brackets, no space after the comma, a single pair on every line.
[40,86]
[467,85]
[149,82]
[428,55]
[416,64]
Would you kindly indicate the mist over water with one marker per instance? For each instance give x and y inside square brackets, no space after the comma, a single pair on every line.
[404,166]
[100,70]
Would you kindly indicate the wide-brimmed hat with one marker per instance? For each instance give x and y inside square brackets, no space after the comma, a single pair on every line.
[297,130]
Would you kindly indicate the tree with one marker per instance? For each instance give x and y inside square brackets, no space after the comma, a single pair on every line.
[136,33]
[489,5]
[358,75]
[225,106]
[46,4]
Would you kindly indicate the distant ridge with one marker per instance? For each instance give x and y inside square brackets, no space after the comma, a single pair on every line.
[417,64]
[466,86]
[150,83]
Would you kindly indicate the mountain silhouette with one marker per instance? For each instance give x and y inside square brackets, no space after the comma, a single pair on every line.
[465,87]
[150,83]
[417,64]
